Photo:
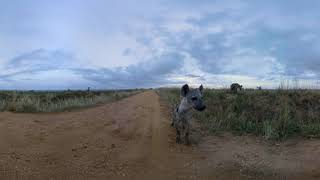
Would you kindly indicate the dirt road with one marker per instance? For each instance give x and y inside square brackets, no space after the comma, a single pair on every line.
[132,139]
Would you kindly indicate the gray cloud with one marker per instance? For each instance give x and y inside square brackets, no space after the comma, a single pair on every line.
[41,59]
[152,72]
[259,39]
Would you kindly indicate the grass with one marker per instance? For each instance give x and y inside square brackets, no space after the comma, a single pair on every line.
[56,101]
[273,114]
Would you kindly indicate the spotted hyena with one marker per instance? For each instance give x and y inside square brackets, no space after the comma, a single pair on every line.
[182,113]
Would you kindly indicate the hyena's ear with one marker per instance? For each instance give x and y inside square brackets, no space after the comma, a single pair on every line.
[184,90]
[201,88]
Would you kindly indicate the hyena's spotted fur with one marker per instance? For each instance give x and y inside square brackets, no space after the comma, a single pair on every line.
[182,113]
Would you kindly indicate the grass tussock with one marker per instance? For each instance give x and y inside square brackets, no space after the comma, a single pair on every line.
[273,114]
[55,101]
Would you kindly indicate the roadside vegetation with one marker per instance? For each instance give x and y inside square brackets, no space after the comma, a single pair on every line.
[55,101]
[273,114]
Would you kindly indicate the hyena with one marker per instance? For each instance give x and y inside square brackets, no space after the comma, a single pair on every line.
[182,114]
[235,87]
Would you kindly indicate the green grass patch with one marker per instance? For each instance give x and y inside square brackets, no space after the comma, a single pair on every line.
[273,114]
[56,101]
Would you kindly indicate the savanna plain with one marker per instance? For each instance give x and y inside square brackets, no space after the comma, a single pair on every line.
[126,134]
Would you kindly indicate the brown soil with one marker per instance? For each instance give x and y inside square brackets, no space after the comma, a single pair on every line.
[132,139]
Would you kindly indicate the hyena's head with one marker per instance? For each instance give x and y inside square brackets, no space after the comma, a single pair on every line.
[193,97]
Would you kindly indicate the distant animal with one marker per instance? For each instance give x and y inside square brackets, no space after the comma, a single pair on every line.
[235,87]
[182,113]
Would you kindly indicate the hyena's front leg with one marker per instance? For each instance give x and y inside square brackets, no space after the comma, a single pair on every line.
[187,140]
[178,138]
[187,133]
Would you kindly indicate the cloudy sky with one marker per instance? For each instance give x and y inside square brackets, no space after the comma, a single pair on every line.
[150,43]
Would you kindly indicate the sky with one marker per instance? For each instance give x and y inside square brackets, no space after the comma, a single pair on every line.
[106,44]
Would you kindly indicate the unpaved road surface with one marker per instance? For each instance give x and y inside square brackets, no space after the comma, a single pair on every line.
[132,139]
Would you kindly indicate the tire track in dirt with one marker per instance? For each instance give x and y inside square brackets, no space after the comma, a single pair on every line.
[132,139]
